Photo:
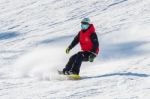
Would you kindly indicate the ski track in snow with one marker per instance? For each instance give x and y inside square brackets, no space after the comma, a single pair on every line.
[34,35]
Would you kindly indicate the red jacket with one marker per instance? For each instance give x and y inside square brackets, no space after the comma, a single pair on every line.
[85,39]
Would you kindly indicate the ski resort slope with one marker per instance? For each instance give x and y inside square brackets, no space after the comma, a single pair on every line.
[35,33]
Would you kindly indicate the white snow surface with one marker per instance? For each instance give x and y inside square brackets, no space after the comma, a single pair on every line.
[35,33]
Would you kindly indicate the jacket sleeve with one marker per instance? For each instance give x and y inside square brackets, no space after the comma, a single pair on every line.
[95,42]
[74,42]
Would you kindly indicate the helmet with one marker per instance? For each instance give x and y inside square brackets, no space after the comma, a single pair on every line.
[85,23]
[85,20]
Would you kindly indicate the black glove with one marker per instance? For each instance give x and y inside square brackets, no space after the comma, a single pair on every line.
[92,57]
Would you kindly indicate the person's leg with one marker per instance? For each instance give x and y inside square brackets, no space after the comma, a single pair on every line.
[70,63]
[81,56]
[86,56]
[77,63]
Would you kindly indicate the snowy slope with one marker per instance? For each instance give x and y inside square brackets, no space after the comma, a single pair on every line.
[35,33]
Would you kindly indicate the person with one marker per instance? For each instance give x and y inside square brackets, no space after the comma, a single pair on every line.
[89,48]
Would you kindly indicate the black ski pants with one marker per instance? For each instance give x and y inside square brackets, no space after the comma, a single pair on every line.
[76,60]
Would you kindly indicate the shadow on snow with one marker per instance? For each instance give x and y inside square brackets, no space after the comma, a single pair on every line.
[8,35]
[122,50]
[56,39]
[119,74]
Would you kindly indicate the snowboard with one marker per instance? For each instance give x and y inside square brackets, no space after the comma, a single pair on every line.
[70,77]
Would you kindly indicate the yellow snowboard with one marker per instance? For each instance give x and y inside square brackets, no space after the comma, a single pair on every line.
[73,77]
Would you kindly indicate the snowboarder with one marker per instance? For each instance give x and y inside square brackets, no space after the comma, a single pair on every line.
[89,45]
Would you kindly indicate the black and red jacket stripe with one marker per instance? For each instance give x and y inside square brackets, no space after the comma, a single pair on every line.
[88,40]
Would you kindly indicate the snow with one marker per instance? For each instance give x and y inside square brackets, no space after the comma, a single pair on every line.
[35,33]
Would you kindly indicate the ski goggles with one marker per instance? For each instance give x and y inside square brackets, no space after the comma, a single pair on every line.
[84,23]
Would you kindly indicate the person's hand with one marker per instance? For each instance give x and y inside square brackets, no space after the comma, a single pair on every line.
[92,57]
[67,50]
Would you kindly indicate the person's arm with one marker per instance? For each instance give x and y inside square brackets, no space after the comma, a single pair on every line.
[74,42]
[95,42]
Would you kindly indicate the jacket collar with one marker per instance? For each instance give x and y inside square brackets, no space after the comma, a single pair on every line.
[91,29]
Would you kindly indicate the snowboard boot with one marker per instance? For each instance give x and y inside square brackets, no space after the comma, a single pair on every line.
[70,72]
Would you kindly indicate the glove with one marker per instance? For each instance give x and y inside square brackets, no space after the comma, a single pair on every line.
[67,50]
[92,57]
